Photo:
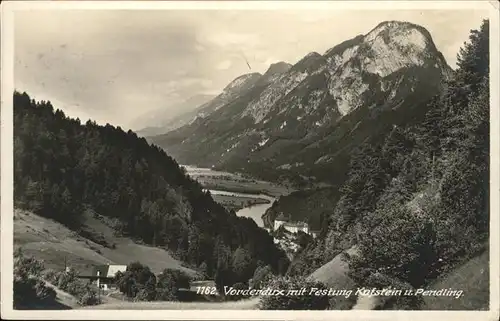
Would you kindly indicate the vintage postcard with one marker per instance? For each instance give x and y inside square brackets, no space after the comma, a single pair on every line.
[250,160]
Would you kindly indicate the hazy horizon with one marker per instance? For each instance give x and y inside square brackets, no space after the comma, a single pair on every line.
[116,66]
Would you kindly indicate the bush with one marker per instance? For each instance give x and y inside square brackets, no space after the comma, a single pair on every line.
[169,282]
[95,237]
[27,266]
[68,281]
[29,290]
[261,276]
[140,284]
[165,294]
[50,275]
[138,277]
[303,239]
[89,298]
[399,244]
[143,295]
[294,302]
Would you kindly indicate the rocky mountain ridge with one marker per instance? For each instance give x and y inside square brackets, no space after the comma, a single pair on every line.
[302,115]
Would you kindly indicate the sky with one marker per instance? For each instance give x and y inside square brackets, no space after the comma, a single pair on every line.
[116,66]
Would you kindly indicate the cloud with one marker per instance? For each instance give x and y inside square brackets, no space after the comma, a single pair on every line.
[199,48]
[115,65]
[224,65]
[225,39]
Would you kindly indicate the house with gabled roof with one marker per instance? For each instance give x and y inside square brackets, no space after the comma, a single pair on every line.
[104,274]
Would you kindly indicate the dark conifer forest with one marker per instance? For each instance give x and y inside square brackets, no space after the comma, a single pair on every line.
[64,168]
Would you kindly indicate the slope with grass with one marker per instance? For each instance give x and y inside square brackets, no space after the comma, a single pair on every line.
[472,278]
[57,245]
[334,274]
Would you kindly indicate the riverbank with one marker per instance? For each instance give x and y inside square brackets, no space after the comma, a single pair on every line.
[248,197]
[255,211]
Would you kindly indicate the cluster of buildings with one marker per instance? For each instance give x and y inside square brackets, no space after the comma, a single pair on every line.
[292,227]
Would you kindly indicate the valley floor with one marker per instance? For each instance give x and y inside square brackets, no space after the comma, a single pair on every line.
[225,181]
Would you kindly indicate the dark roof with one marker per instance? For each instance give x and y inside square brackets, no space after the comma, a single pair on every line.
[108,270]
[297,224]
[103,270]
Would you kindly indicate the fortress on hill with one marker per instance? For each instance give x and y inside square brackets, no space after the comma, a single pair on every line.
[293,227]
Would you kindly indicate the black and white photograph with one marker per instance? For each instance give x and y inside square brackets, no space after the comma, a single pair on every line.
[295,160]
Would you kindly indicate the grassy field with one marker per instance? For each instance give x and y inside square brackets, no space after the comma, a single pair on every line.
[473,278]
[244,187]
[233,183]
[238,202]
[334,275]
[55,244]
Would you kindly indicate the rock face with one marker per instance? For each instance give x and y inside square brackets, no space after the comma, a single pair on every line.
[233,90]
[295,116]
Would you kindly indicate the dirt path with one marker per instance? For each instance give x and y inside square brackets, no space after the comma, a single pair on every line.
[251,304]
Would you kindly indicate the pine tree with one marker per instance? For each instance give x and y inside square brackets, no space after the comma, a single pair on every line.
[473,59]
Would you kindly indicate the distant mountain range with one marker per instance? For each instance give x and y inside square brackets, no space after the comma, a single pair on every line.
[211,103]
[304,119]
[161,121]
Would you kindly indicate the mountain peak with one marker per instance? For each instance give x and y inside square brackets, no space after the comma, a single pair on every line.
[242,81]
[310,62]
[311,56]
[278,68]
[402,34]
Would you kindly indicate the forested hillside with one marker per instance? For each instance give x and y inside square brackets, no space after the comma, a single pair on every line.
[64,168]
[416,200]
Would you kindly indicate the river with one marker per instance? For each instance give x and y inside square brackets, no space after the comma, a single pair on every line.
[254,212]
